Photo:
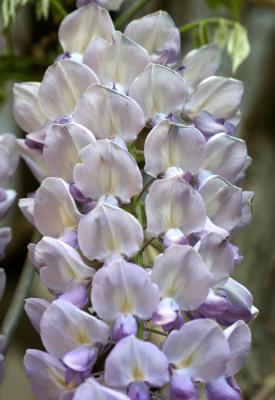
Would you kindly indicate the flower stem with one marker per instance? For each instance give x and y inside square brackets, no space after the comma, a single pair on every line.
[157,246]
[155,331]
[133,9]
[146,245]
[14,312]
[205,21]
[151,180]
[140,332]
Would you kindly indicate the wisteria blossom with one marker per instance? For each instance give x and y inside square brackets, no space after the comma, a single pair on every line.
[138,165]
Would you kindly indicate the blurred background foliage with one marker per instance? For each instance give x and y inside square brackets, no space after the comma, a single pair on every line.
[245,29]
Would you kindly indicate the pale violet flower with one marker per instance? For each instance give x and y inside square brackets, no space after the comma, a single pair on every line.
[26,109]
[72,335]
[172,203]
[61,269]
[107,170]
[136,223]
[63,143]
[219,96]
[199,64]
[62,86]
[113,124]
[122,292]
[82,27]
[134,360]
[198,352]
[109,232]
[185,149]
[55,212]
[48,376]
[158,34]
[159,91]
[131,60]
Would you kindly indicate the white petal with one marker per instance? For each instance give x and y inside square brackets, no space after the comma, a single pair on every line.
[63,143]
[26,206]
[238,293]
[199,347]
[159,90]
[122,288]
[64,327]
[173,203]
[62,86]
[55,211]
[61,266]
[117,63]
[34,160]
[172,145]
[226,156]
[217,256]
[35,308]
[223,202]
[26,110]
[200,64]
[157,33]
[122,115]
[47,375]
[177,272]
[238,336]
[83,26]
[108,170]
[133,360]
[217,95]
[246,217]
[109,231]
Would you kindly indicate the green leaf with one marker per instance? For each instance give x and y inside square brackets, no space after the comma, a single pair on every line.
[42,9]
[9,8]
[238,46]
[201,35]
[221,33]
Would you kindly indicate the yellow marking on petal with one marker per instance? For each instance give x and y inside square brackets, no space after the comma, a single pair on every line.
[172,290]
[186,362]
[126,306]
[60,380]
[111,239]
[82,337]
[66,216]
[137,374]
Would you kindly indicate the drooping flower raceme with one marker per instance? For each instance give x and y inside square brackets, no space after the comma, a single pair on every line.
[138,164]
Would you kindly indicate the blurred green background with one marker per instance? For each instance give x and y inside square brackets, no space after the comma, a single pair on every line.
[30,44]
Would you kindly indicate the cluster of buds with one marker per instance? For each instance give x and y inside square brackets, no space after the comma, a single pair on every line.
[138,162]
[8,165]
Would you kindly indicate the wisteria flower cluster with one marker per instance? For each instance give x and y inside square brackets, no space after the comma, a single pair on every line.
[138,163]
[8,164]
